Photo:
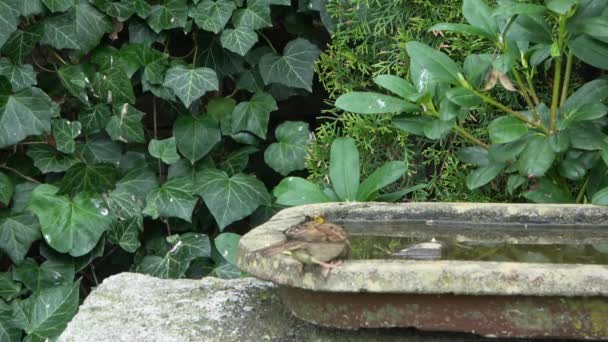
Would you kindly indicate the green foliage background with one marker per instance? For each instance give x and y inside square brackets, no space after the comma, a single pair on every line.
[369,39]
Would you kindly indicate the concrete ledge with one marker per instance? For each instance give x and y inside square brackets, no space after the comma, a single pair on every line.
[134,307]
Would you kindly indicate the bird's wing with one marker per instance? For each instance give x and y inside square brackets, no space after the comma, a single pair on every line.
[281,247]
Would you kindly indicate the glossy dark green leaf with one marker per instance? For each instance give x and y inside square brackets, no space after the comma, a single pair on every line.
[17,233]
[463,97]
[121,9]
[125,126]
[537,157]
[21,76]
[21,43]
[589,50]
[560,6]
[9,289]
[514,182]
[474,155]
[172,199]
[52,309]
[48,159]
[125,233]
[58,5]
[373,103]
[294,191]
[127,200]
[113,85]
[25,113]
[441,67]
[239,40]
[413,125]
[344,168]
[600,197]
[38,277]
[92,178]
[230,198]
[69,225]
[74,80]
[288,154]
[396,85]
[381,177]
[571,169]
[479,14]
[190,84]
[195,136]
[462,28]
[547,191]
[236,161]
[255,16]
[7,188]
[81,28]
[294,68]
[503,153]
[483,175]
[174,263]
[437,129]
[165,150]
[226,244]
[168,14]
[212,15]
[510,9]
[253,115]
[64,132]
[506,129]
[9,18]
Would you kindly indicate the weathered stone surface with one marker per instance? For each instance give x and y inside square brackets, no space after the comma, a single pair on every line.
[134,307]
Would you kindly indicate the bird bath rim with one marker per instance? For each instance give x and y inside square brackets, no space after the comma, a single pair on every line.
[431,277]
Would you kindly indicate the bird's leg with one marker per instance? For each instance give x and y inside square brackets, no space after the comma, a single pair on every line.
[327,267]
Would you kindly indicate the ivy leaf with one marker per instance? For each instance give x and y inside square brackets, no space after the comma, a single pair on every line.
[237,160]
[170,14]
[95,118]
[164,150]
[226,244]
[253,115]
[255,16]
[293,69]
[7,188]
[21,43]
[9,289]
[196,136]
[20,76]
[239,40]
[81,28]
[230,198]
[30,7]
[50,273]
[65,132]
[126,127]
[120,10]
[114,85]
[212,15]
[127,200]
[47,159]
[9,18]
[93,178]
[58,5]
[289,152]
[50,310]
[74,80]
[69,225]
[99,149]
[125,233]
[9,331]
[172,199]
[190,84]
[25,113]
[174,264]
[17,233]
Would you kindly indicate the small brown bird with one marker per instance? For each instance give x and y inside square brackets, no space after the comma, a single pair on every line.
[314,241]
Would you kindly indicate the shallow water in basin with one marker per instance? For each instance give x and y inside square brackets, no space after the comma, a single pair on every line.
[474,242]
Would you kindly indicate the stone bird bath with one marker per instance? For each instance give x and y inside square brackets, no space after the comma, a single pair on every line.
[531,297]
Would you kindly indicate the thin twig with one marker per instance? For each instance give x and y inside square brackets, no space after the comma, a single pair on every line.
[8,168]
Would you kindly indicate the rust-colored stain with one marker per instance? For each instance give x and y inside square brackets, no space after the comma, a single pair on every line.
[492,316]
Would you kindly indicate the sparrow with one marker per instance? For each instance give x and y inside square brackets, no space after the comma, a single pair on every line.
[314,241]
